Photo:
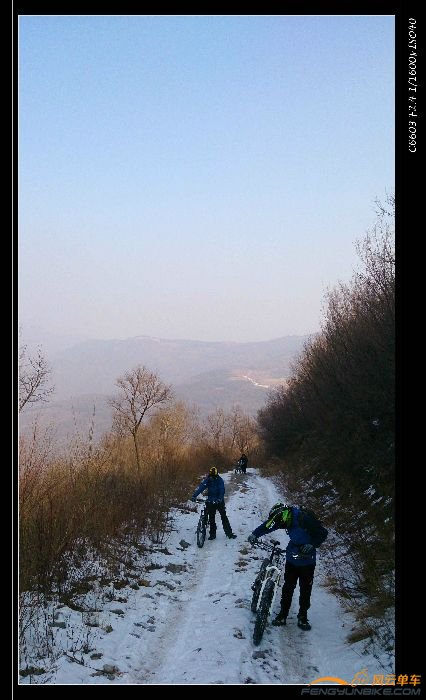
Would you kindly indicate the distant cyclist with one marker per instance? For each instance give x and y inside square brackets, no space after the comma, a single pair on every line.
[243,461]
[215,501]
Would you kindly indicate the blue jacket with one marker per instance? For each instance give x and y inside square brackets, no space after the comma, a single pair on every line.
[298,536]
[215,489]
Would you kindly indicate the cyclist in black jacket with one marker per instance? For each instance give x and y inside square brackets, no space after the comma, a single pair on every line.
[243,461]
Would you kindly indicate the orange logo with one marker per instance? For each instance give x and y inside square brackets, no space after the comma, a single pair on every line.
[329,679]
[359,678]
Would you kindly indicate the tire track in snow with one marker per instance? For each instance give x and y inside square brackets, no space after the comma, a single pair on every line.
[192,640]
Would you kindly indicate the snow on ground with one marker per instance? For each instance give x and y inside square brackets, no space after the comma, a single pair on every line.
[192,624]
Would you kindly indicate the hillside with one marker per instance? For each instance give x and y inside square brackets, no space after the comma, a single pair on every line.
[205,374]
[94,365]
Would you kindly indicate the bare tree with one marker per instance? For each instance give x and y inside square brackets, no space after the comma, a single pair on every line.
[216,427]
[140,391]
[243,430]
[34,374]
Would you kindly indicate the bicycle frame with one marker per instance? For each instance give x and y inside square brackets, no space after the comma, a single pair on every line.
[272,572]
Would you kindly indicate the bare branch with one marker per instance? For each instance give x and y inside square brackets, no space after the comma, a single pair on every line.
[34,374]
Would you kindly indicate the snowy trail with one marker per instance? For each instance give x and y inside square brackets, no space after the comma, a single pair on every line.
[195,635]
[190,621]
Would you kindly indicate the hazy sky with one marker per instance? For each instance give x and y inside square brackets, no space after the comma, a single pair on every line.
[197,177]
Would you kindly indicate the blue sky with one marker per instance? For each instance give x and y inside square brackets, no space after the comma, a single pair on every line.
[197,177]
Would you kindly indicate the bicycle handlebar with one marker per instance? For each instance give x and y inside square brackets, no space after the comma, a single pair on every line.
[269,547]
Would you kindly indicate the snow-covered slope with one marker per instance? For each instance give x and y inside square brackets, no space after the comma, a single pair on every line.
[192,624]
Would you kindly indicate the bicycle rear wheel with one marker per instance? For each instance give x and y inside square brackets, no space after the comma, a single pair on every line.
[263,612]
[258,585]
[201,532]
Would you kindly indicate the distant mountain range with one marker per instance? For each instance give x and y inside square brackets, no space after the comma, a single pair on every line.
[205,374]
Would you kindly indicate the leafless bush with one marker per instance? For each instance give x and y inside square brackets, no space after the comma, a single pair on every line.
[332,426]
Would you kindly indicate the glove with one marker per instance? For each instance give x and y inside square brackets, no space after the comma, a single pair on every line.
[193,499]
[252,539]
[306,549]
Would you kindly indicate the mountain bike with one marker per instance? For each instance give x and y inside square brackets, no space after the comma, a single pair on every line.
[202,522]
[265,586]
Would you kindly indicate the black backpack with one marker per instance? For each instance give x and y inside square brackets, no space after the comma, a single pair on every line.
[309,522]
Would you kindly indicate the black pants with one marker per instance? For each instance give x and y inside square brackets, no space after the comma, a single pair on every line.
[305,576]
[211,509]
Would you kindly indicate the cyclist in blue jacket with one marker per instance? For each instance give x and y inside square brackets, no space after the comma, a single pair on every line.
[305,533]
[215,501]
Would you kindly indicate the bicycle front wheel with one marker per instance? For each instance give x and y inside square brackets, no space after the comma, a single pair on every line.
[258,585]
[263,612]
[201,532]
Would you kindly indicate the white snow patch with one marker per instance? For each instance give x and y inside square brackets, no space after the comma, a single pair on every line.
[194,626]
